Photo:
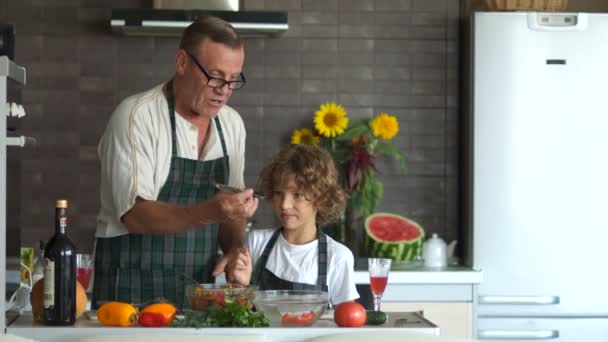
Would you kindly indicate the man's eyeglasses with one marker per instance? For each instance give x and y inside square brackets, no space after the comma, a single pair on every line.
[216,82]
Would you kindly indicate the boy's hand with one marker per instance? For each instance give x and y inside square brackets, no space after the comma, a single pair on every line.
[237,265]
[241,268]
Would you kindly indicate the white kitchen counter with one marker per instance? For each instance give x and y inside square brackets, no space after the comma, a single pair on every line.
[422,284]
[24,327]
[424,275]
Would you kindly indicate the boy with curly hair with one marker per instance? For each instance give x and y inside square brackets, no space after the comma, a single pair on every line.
[301,182]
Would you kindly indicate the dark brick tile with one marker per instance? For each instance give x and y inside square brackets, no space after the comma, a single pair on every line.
[356,5]
[253,5]
[282,5]
[136,50]
[356,31]
[324,5]
[324,72]
[59,49]
[392,5]
[319,18]
[356,99]
[288,71]
[349,58]
[282,86]
[280,58]
[60,21]
[282,99]
[320,58]
[384,19]
[391,59]
[392,73]
[393,87]
[430,5]
[355,86]
[319,31]
[317,86]
[355,72]
[314,100]
[320,45]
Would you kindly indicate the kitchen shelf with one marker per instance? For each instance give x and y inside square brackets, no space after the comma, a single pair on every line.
[14,72]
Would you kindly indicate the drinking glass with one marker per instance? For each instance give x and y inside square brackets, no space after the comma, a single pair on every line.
[378,277]
[84,271]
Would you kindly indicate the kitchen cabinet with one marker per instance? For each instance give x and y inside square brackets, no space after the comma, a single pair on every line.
[453,318]
[557,329]
[445,296]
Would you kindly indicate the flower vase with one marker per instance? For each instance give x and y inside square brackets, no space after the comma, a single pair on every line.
[349,230]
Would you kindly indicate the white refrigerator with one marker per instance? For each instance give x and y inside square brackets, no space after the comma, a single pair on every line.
[537,184]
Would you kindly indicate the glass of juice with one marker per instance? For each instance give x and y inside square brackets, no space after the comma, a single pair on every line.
[84,270]
[378,277]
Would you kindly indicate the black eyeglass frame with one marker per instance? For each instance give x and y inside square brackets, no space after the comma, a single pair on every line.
[232,85]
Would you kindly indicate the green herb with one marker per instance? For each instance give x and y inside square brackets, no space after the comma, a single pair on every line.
[230,315]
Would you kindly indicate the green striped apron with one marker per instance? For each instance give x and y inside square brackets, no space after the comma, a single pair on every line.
[266,280]
[135,268]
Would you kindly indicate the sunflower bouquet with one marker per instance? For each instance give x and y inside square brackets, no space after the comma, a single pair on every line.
[354,147]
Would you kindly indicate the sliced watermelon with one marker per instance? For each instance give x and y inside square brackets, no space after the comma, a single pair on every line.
[393,236]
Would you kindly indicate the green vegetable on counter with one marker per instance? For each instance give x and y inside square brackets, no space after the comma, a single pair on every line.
[375,317]
[230,315]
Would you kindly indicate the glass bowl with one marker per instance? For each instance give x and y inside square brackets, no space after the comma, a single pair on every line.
[291,308]
[202,297]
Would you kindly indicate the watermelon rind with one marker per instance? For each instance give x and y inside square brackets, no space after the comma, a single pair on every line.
[402,250]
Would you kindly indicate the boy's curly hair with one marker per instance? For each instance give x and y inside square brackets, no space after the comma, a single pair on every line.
[315,175]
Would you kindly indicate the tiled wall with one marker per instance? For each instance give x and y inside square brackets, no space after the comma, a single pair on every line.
[397,56]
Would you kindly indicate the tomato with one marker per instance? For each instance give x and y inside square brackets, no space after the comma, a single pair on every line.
[219,298]
[306,318]
[349,314]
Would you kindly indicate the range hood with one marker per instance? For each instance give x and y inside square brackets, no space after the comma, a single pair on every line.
[171,22]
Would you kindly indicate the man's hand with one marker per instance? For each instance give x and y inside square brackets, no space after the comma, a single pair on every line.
[234,206]
[158,217]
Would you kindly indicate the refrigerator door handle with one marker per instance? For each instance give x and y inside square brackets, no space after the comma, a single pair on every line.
[517,334]
[519,300]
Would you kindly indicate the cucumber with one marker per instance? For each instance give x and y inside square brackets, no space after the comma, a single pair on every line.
[375,317]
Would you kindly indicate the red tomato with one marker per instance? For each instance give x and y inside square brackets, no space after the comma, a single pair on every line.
[350,314]
[219,298]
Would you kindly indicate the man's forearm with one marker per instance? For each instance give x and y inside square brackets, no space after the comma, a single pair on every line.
[156,217]
[231,235]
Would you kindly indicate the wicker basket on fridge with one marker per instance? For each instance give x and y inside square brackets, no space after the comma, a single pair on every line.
[537,5]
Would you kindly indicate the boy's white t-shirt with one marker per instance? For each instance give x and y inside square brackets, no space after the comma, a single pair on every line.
[299,263]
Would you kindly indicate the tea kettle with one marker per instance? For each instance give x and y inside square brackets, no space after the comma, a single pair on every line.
[434,252]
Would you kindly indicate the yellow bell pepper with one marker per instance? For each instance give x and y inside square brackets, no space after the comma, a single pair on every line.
[117,314]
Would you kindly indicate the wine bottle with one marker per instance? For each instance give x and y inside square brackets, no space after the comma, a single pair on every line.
[60,273]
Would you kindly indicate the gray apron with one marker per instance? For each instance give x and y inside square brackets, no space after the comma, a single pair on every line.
[266,280]
[135,268]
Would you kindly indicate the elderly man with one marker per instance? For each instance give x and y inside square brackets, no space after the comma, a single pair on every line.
[161,218]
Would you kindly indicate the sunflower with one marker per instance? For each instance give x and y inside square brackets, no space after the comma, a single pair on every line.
[304,136]
[384,126]
[330,120]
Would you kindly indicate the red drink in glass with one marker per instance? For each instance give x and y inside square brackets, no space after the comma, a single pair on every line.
[379,269]
[378,284]
[84,277]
